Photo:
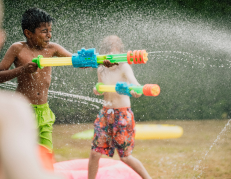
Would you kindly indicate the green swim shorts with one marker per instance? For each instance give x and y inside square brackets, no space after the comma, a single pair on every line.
[45,119]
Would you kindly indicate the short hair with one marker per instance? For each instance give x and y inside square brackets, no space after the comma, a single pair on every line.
[33,17]
[110,43]
[1,13]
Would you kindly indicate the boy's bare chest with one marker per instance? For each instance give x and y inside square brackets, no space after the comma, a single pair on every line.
[112,77]
[26,56]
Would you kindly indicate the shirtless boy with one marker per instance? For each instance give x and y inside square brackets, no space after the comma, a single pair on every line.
[115,115]
[18,147]
[33,82]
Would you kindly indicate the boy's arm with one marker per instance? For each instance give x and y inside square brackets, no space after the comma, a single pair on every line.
[61,52]
[127,70]
[8,60]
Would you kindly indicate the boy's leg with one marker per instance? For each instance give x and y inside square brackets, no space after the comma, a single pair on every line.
[93,164]
[102,141]
[124,139]
[45,119]
[136,165]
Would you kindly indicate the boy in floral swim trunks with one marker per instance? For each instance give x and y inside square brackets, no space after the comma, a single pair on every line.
[115,125]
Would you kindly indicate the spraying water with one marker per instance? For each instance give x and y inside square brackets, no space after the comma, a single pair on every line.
[188,57]
[198,166]
[62,95]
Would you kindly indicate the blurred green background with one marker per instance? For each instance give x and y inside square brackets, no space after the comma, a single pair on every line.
[190,41]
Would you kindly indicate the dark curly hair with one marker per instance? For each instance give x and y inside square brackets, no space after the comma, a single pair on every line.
[33,17]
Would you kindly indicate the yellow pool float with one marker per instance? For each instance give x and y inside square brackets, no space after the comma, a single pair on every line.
[143,132]
[157,131]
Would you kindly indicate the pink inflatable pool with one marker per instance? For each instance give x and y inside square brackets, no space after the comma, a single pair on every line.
[108,169]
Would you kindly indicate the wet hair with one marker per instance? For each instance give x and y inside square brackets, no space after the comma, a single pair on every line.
[1,13]
[33,17]
[111,43]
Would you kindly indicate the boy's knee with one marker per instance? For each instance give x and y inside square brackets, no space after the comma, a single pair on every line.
[125,159]
[95,155]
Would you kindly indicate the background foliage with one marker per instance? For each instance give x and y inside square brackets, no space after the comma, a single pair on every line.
[191,60]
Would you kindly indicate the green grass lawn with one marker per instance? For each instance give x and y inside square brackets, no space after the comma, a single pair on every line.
[180,158]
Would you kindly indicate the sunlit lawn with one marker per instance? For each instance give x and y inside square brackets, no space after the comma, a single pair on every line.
[184,157]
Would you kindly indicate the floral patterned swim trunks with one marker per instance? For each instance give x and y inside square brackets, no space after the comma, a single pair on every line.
[114,128]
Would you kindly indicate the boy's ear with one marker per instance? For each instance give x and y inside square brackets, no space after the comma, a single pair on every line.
[27,33]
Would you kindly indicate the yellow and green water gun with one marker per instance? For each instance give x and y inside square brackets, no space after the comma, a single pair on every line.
[125,89]
[88,58]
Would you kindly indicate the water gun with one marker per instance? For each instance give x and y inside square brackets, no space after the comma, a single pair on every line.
[125,89]
[88,58]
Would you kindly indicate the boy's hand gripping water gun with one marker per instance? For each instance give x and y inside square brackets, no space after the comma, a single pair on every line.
[88,58]
[125,89]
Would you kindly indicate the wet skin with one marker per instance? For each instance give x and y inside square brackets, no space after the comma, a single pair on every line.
[32,81]
[114,73]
